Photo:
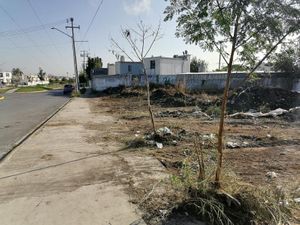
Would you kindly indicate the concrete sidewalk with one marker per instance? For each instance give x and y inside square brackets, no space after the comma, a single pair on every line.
[61,176]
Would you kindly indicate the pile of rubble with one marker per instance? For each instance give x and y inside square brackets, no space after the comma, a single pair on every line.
[291,114]
[260,98]
[195,112]
[174,98]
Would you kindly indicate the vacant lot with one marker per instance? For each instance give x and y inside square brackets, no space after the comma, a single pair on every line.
[254,147]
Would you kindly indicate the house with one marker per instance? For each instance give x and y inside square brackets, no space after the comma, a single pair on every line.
[128,68]
[167,65]
[5,77]
[32,80]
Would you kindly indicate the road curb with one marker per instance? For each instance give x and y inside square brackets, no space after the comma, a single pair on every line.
[31,132]
[31,92]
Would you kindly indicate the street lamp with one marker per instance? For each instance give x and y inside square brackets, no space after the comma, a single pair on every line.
[74,50]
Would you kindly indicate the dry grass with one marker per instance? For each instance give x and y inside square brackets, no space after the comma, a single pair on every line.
[184,191]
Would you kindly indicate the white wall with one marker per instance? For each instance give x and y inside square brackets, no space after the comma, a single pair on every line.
[122,68]
[214,81]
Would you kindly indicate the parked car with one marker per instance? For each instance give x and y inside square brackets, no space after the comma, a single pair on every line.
[68,88]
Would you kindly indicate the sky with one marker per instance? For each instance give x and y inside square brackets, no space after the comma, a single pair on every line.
[28,42]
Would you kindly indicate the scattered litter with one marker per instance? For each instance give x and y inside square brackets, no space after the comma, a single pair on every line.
[159,145]
[164,131]
[271,175]
[269,135]
[284,203]
[245,144]
[231,144]
[150,142]
[196,112]
[297,200]
[273,113]
[208,137]
[136,135]
[292,113]
[163,212]
[138,132]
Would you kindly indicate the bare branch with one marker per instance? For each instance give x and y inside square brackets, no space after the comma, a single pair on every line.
[133,45]
[156,37]
[121,49]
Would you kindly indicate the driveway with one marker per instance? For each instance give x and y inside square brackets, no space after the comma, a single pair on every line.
[21,112]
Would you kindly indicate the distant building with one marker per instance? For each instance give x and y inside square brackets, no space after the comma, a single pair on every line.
[167,65]
[126,68]
[32,80]
[5,77]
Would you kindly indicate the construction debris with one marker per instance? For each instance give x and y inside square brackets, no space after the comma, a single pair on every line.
[271,175]
[293,112]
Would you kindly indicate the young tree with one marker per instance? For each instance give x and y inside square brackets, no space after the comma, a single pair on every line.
[82,78]
[140,40]
[93,63]
[41,74]
[16,75]
[198,65]
[250,27]
[288,59]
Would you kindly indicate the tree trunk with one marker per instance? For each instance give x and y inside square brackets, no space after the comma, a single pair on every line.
[148,100]
[223,109]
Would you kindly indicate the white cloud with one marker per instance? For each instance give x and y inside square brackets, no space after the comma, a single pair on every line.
[137,7]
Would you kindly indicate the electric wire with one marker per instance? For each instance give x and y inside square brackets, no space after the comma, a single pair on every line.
[46,31]
[21,29]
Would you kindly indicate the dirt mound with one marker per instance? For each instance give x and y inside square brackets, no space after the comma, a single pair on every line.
[113,90]
[263,99]
[123,92]
[171,98]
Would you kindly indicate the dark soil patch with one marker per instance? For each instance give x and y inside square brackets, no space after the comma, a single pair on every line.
[171,98]
[263,99]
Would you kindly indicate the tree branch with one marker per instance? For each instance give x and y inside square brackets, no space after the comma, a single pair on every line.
[121,49]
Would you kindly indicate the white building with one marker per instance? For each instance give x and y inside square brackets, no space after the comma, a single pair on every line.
[167,66]
[126,68]
[5,77]
[111,69]
[32,80]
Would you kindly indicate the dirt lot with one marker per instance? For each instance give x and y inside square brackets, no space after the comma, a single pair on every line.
[254,146]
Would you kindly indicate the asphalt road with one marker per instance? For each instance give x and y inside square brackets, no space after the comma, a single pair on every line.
[21,112]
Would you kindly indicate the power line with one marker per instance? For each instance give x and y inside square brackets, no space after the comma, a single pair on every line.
[36,59]
[31,46]
[47,33]
[92,21]
[11,33]
[21,29]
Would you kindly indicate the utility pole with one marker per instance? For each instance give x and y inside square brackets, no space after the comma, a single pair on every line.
[74,49]
[74,52]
